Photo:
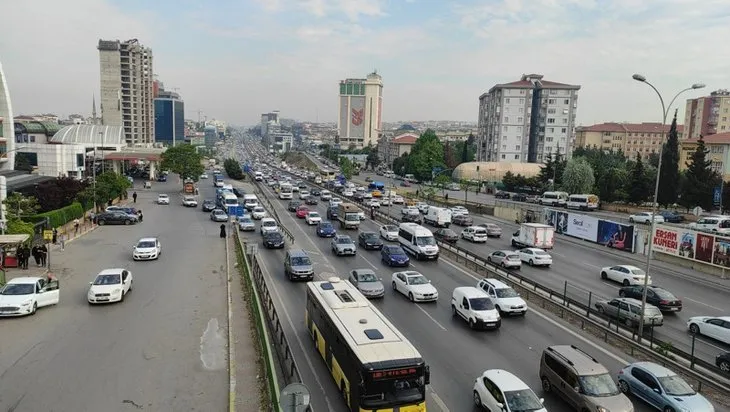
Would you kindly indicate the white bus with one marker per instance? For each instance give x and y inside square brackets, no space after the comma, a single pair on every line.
[375,367]
[583,202]
[286,191]
[418,241]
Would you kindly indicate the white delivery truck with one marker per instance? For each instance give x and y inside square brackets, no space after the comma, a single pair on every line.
[534,235]
[438,216]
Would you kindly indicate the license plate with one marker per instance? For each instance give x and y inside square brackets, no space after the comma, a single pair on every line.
[102,299]
[673,308]
[490,324]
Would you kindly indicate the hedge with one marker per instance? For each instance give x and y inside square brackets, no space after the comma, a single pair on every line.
[60,217]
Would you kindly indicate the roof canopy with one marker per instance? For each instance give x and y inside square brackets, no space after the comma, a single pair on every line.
[90,135]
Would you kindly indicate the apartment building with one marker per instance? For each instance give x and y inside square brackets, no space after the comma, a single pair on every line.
[127,89]
[631,138]
[359,123]
[718,147]
[707,115]
[524,120]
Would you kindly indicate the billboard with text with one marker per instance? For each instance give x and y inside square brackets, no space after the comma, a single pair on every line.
[605,232]
[692,245]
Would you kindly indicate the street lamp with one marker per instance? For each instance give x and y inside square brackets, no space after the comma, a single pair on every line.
[654,206]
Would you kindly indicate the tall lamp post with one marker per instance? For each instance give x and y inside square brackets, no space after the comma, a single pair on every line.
[654,206]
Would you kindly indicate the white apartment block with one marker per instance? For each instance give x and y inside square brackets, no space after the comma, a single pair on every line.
[127,95]
[361,107]
[523,121]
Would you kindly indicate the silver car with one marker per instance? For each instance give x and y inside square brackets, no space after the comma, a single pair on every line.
[628,311]
[368,283]
[246,224]
[505,258]
[493,230]
[342,245]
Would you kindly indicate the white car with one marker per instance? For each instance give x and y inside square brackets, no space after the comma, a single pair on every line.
[476,234]
[505,258]
[410,210]
[398,200]
[415,286]
[163,199]
[335,201]
[189,201]
[385,201]
[710,326]
[258,213]
[624,274]
[303,194]
[367,196]
[268,224]
[24,295]
[506,299]
[535,257]
[389,232]
[645,217]
[313,218]
[347,193]
[325,196]
[372,203]
[204,176]
[499,390]
[148,248]
[459,210]
[110,285]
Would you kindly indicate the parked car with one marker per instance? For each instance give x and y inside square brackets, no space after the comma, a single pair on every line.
[24,295]
[723,362]
[628,311]
[624,274]
[661,388]
[116,218]
[519,197]
[394,255]
[446,235]
[505,258]
[645,218]
[462,220]
[671,217]
[415,286]
[367,282]
[502,195]
[659,297]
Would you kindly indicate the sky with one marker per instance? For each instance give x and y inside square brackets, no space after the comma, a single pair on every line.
[234,60]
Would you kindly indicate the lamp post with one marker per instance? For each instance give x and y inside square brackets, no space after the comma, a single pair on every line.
[654,206]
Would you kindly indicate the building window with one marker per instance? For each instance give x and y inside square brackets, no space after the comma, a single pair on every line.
[564,130]
[549,139]
[519,129]
[565,121]
[551,101]
[549,149]
[506,119]
[504,147]
[522,101]
[506,128]
[551,111]
[503,157]
[520,120]
[717,149]
[716,166]
[551,120]
[553,92]
[724,118]
[522,91]
[567,101]
[517,147]
[506,101]
[522,110]
[517,157]
[551,129]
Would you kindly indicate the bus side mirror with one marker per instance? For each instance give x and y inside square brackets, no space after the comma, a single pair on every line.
[427,375]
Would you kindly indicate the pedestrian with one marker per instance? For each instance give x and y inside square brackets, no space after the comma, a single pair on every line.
[446,196]
[223,230]
[43,251]
[134,197]
[416,192]
[62,238]
[372,212]
[19,256]
[76,226]
[26,256]
[55,236]
[140,215]
[36,253]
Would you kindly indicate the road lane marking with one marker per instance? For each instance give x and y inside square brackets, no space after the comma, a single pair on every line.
[369,263]
[439,402]
[705,304]
[591,266]
[430,317]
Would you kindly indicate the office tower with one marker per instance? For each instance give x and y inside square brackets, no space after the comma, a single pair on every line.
[361,105]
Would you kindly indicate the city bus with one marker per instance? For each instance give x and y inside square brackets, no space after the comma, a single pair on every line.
[375,367]
[285,191]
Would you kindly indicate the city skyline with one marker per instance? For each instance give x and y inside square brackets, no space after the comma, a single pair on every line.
[435,59]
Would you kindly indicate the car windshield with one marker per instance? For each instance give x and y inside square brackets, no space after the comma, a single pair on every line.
[366,277]
[417,280]
[637,272]
[269,223]
[448,232]
[480,232]
[273,235]
[352,217]
[313,214]
[163,196]
[506,293]
[523,400]
[370,236]
[326,225]
[247,221]
[425,241]
[219,212]
[18,289]
[344,241]
[258,209]
[676,386]
[146,244]
[113,279]
[301,261]
[481,304]
[598,385]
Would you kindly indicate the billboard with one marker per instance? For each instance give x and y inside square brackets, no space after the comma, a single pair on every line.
[692,245]
[357,116]
[582,227]
[615,235]
[605,232]
[344,115]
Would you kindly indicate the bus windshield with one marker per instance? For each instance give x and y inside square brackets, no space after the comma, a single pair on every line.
[388,393]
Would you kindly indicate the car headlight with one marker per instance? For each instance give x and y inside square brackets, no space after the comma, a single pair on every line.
[115,291]
[26,303]
[601,409]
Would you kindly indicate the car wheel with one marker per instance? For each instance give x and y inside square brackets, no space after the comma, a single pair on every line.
[724,366]
[498,309]
[131,284]
[471,323]
[489,259]
[546,386]
[601,310]
[694,328]
[531,263]
[410,297]
[127,222]
[453,310]
[102,223]
[35,308]
[621,294]
[625,282]
[477,400]
[504,266]
[624,387]
[668,409]
[604,275]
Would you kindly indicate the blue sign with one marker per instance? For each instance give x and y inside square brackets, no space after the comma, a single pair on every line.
[717,195]
[236,210]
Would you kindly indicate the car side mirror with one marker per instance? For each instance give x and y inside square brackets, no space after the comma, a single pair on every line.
[542,400]
[657,390]
[91,283]
[429,281]
[500,405]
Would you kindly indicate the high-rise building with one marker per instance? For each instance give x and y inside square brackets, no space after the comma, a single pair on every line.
[127,89]
[361,106]
[707,115]
[523,121]
[169,117]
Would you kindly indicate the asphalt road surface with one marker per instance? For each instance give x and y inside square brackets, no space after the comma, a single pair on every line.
[162,349]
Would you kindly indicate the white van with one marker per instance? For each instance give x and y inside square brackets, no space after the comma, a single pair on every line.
[558,199]
[438,216]
[250,201]
[583,202]
[258,176]
[714,224]
[418,241]
[475,307]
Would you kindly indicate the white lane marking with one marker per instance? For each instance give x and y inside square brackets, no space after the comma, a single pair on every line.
[438,401]
[430,317]
[369,262]
[592,266]
[557,254]
[705,304]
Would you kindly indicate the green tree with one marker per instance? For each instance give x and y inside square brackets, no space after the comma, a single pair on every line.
[578,176]
[509,180]
[552,170]
[18,227]
[233,169]
[400,164]
[372,160]
[347,167]
[18,206]
[612,184]
[638,189]
[441,181]
[700,180]
[426,154]
[109,186]
[184,160]
[669,174]
[22,163]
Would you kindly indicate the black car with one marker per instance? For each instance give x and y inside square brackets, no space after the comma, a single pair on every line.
[659,297]
[446,235]
[315,192]
[462,220]
[293,205]
[238,192]
[502,195]
[671,217]
[369,241]
[359,196]
[116,218]
[723,362]
[519,197]
[273,240]
[310,200]
[412,218]
[332,213]
[208,205]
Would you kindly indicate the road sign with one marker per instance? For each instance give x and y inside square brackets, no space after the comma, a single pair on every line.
[295,398]
[236,210]
[48,235]
[717,195]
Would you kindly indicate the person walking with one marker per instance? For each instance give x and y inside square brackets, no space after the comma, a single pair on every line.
[140,215]
[43,252]
[134,197]
[26,256]
[77,223]
[223,230]
[55,236]
[35,251]
[19,256]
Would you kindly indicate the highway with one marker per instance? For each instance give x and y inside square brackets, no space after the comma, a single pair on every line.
[162,349]
[456,354]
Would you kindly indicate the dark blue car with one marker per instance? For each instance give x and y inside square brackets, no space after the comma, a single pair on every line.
[326,229]
[393,255]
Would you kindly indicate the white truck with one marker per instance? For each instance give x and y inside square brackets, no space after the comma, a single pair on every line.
[438,216]
[534,235]
[348,215]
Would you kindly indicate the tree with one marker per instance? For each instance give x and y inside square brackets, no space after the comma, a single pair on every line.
[184,160]
[654,159]
[669,174]
[57,193]
[441,181]
[372,160]
[16,226]
[109,185]
[18,206]
[700,181]
[426,154]
[22,163]
[400,164]
[233,169]
[638,189]
[578,176]
[347,167]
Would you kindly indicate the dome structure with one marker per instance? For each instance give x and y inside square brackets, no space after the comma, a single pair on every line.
[407,128]
[494,171]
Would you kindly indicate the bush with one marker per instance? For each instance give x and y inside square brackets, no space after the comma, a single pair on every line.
[233,169]
[60,217]
[19,227]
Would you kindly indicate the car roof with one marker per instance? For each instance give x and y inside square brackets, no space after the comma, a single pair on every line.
[23,280]
[411,273]
[655,369]
[297,252]
[630,300]
[268,219]
[148,239]
[630,267]
[343,237]
[363,271]
[534,249]
[112,271]
[505,380]
[498,284]
[162,195]
[471,292]
[507,252]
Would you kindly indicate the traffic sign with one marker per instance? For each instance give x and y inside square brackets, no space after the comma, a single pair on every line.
[48,235]
[717,195]
[235,210]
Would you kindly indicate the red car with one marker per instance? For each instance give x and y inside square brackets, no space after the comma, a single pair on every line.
[302,212]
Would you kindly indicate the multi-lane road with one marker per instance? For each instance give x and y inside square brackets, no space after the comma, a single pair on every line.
[456,353]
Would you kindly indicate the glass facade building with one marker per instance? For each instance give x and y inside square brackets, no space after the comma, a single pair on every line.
[169,121]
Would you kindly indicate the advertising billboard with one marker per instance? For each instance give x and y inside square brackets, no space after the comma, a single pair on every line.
[666,240]
[582,227]
[692,245]
[344,115]
[357,116]
[605,232]
[615,235]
